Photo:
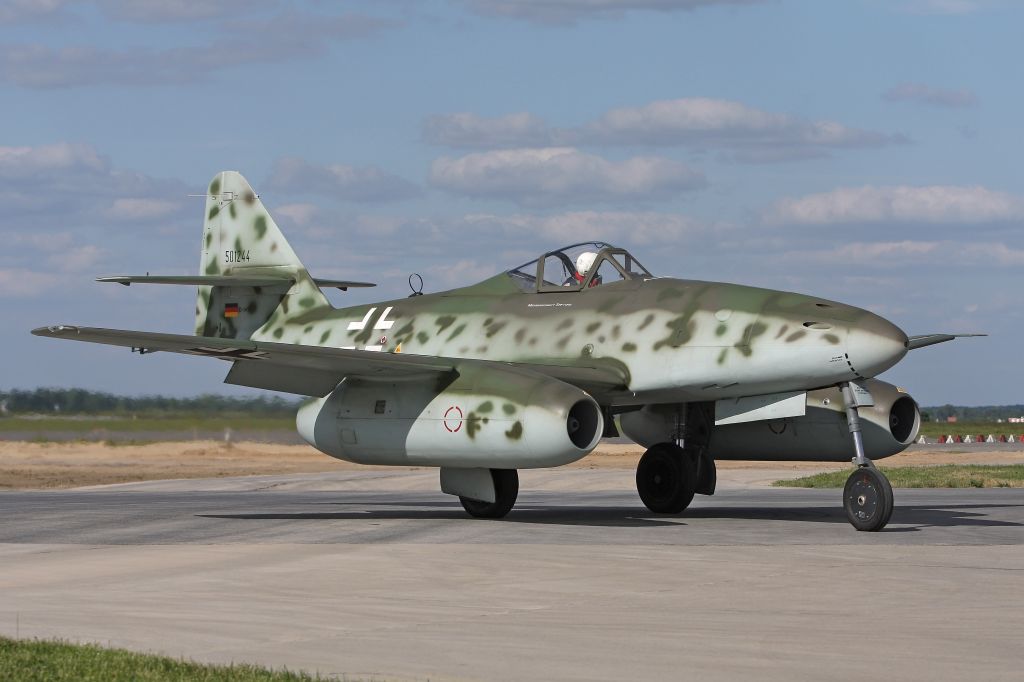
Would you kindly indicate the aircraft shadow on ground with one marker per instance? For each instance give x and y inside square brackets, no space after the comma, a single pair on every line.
[624,517]
[906,518]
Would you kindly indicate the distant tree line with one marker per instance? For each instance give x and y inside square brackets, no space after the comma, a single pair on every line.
[80,401]
[985,413]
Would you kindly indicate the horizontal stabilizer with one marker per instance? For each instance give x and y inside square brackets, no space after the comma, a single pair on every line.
[203,280]
[230,281]
[342,284]
[922,340]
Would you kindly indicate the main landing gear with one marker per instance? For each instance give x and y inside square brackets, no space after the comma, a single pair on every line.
[666,478]
[506,490]
[669,474]
[867,496]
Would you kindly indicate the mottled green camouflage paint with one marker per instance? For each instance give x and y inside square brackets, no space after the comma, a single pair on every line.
[240,238]
[668,339]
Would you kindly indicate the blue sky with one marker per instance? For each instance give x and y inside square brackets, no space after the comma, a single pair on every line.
[863,151]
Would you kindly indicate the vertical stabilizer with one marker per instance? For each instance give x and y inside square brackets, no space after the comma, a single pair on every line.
[240,238]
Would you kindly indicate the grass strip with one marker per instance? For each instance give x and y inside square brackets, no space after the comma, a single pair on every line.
[933,430]
[941,476]
[50,661]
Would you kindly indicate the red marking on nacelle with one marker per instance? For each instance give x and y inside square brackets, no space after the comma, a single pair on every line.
[453,414]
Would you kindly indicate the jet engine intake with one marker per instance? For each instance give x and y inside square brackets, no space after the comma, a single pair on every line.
[492,417]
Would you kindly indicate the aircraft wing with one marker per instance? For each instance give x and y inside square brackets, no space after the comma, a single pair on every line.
[923,340]
[314,370]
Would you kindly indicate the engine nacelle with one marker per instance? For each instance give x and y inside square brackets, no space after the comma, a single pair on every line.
[821,434]
[494,417]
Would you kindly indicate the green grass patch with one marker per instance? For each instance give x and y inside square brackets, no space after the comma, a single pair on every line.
[52,661]
[84,425]
[933,430]
[941,476]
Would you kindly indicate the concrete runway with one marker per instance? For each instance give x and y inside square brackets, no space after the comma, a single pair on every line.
[376,574]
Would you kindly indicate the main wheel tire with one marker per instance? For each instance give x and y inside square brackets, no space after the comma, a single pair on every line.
[867,499]
[666,478]
[506,490]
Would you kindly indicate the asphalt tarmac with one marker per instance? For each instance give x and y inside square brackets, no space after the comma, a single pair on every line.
[371,576]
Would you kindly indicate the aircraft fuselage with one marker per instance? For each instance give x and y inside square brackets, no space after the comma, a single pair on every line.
[670,339]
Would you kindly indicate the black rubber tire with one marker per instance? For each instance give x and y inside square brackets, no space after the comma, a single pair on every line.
[889,496]
[506,490]
[666,478]
[867,499]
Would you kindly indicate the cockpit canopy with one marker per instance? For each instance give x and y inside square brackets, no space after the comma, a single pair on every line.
[557,270]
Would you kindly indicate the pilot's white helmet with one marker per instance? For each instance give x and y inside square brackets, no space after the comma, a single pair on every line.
[585,261]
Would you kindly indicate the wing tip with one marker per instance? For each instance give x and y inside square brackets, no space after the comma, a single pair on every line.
[55,330]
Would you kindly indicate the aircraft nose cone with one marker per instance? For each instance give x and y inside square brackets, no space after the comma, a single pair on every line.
[875,344]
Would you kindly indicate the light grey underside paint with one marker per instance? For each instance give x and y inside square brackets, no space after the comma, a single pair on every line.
[757,407]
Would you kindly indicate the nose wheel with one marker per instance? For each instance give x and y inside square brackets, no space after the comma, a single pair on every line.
[867,499]
[867,495]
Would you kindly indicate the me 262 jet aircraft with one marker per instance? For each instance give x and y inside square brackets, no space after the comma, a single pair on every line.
[532,367]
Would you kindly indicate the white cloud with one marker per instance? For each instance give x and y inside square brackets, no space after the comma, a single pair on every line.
[327,225]
[35,240]
[899,204]
[76,258]
[285,37]
[132,209]
[869,253]
[23,283]
[26,162]
[900,254]
[68,185]
[299,214]
[147,11]
[632,227]
[926,94]
[16,11]
[352,183]
[752,134]
[470,130]
[742,132]
[458,273]
[571,11]
[561,174]
[947,6]
[997,253]
[154,11]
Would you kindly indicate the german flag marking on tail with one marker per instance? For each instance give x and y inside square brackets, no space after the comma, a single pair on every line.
[230,310]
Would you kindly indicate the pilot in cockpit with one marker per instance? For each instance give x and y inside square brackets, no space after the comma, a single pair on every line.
[584,262]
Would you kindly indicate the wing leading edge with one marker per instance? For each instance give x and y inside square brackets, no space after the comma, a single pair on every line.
[314,370]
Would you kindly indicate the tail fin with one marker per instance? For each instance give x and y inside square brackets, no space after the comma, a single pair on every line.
[241,239]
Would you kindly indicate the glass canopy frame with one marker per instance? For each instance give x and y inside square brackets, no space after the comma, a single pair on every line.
[555,270]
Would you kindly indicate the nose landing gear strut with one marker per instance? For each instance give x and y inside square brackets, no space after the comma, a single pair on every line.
[867,496]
